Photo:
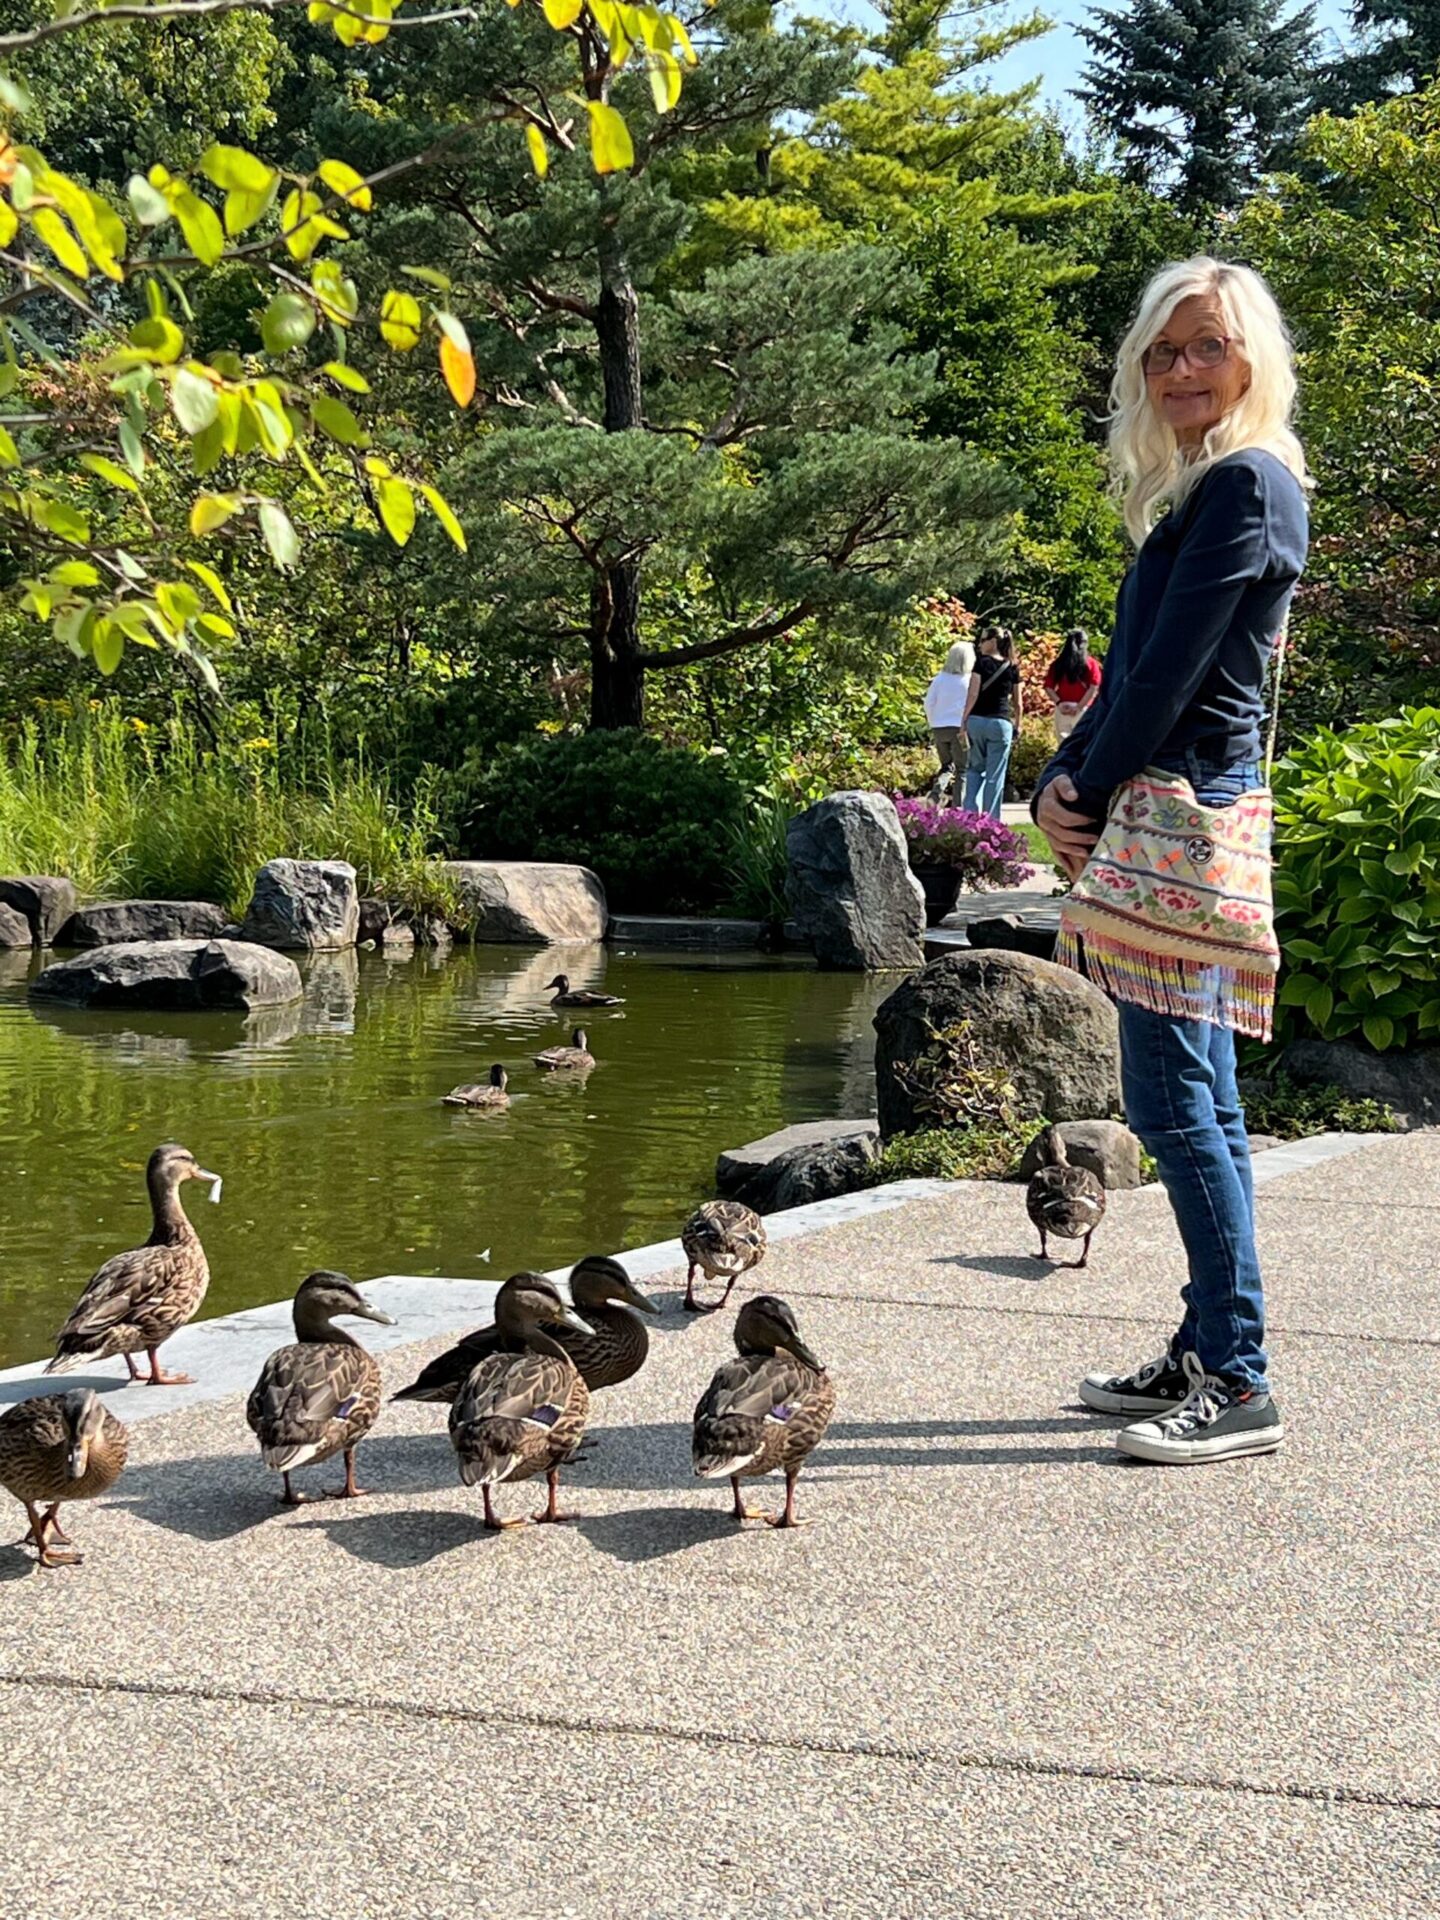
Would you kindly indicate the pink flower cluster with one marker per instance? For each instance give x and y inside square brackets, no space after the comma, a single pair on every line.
[985,852]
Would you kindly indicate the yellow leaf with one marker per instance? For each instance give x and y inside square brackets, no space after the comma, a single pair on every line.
[212,510]
[212,580]
[458,367]
[562,13]
[9,453]
[539,152]
[611,147]
[400,320]
[345,181]
[440,507]
[301,228]
[50,228]
[9,223]
[664,71]
[397,508]
[681,39]
[109,471]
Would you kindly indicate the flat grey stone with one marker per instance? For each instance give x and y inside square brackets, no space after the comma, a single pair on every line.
[1106,1148]
[1056,1036]
[14,929]
[184,975]
[44,900]
[819,1171]
[1265,1142]
[1034,934]
[1407,1080]
[532,902]
[738,1164]
[672,930]
[849,884]
[303,906]
[106,923]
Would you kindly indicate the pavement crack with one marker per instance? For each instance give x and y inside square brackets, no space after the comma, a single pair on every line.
[971,1760]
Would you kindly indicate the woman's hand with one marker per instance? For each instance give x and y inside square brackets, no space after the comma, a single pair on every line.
[1071,835]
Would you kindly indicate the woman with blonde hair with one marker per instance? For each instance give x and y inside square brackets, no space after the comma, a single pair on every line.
[945,714]
[1213,483]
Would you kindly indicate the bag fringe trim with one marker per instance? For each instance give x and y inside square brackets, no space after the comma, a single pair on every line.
[1236,997]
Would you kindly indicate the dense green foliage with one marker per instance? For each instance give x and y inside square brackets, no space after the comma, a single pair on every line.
[1398,51]
[1357,889]
[653,821]
[985,1151]
[1205,94]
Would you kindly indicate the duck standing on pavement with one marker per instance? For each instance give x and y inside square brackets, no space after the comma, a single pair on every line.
[724,1239]
[58,1447]
[1064,1200]
[769,1408]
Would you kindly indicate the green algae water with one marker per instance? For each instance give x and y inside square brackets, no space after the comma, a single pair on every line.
[324,1118]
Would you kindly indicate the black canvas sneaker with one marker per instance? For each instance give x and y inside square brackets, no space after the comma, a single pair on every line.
[1218,1421]
[1158,1387]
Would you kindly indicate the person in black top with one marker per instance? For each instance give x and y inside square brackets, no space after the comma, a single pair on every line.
[994,709]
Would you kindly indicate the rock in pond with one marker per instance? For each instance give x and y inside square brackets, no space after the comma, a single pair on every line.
[379,927]
[303,906]
[535,902]
[43,900]
[14,929]
[1056,1036]
[105,923]
[181,975]
[849,884]
[1106,1148]
[817,1171]
[738,1165]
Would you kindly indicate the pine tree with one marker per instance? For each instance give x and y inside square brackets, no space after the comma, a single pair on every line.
[1398,52]
[1205,94]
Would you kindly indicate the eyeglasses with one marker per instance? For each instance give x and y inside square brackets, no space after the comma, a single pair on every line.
[1211,350]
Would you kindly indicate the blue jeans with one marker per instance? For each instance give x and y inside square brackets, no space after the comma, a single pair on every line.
[990,742]
[1178,1081]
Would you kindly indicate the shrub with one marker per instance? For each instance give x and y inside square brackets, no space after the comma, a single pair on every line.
[758,861]
[1030,754]
[656,823]
[983,851]
[1289,1112]
[989,1150]
[1357,885]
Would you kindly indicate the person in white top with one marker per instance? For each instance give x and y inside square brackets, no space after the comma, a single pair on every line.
[945,713]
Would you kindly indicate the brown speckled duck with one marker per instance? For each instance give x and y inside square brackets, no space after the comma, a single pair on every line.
[487,1094]
[767,1409]
[138,1299]
[1064,1200]
[58,1447]
[522,1409]
[724,1239]
[577,1057]
[320,1396]
[614,1349]
[567,996]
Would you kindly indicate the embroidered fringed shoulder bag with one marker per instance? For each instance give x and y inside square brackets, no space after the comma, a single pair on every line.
[1173,910]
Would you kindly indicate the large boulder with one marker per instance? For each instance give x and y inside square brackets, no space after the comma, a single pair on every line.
[108,922]
[738,1165]
[43,900]
[1106,1148]
[849,884]
[1055,1035]
[303,906]
[540,903]
[817,1171]
[1408,1081]
[14,929]
[180,975]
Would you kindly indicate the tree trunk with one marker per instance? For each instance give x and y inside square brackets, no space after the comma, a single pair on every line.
[617,677]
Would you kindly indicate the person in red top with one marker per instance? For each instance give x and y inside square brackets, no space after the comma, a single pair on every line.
[1073,681]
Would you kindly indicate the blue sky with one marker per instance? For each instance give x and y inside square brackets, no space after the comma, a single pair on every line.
[1057,58]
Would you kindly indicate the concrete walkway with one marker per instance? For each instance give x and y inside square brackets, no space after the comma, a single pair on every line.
[1003,1676]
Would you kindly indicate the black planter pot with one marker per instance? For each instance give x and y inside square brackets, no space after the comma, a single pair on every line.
[942,890]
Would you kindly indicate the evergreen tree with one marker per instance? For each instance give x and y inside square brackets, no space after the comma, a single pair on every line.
[1398,52]
[1205,94]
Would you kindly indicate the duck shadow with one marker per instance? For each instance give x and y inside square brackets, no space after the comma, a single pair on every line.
[17,1561]
[398,1540]
[213,1499]
[654,1533]
[1001,1266]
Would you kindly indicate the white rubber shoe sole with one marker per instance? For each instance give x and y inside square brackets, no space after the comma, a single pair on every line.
[1100,1398]
[1146,1442]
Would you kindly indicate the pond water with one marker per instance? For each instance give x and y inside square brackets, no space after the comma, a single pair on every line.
[325,1119]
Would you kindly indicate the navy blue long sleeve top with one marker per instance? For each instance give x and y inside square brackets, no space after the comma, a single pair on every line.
[1196,618]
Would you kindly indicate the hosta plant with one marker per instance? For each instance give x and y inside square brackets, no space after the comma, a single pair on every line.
[1357,882]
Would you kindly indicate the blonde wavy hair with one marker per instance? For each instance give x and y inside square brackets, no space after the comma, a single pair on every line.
[1149,465]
